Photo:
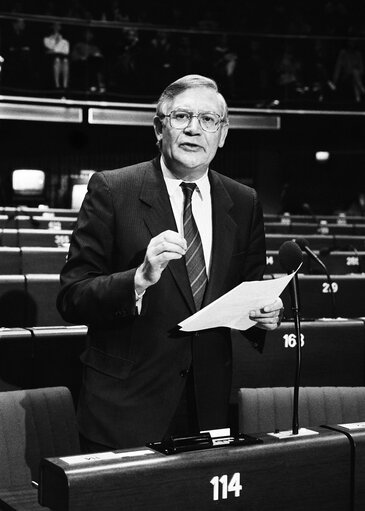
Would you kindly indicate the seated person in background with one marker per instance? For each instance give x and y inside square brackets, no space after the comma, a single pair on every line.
[88,64]
[155,242]
[357,207]
[58,48]
[349,72]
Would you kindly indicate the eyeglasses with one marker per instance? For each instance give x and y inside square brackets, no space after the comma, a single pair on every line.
[180,119]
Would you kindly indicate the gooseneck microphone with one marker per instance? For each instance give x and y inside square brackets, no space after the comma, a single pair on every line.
[304,245]
[290,257]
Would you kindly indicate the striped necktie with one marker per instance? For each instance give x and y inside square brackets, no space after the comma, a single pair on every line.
[194,257]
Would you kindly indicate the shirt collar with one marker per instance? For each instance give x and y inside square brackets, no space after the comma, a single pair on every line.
[173,183]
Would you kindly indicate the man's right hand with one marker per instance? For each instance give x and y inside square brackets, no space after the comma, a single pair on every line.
[163,248]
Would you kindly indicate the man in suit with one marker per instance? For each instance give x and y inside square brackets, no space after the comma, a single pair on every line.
[128,276]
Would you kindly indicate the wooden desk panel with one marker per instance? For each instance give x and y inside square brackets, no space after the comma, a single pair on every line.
[303,473]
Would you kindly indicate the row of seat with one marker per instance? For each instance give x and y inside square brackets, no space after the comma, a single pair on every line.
[29,300]
[34,295]
[24,260]
[303,228]
[40,210]
[319,297]
[36,222]
[338,262]
[61,237]
[42,356]
[324,470]
[34,259]
[35,237]
[333,353]
[319,241]
[68,222]
[341,218]
[269,217]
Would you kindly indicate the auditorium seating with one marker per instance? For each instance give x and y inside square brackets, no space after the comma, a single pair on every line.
[24,260]
[43,259]
[16,358]
[287,218]
[318,241]
[271,409]
[44,211]
[29,300]
[42,357]
[34,424]
[36,222]
[317,300]
[29,284]
[337,262]
[333,354]
[301,228]
[34,237]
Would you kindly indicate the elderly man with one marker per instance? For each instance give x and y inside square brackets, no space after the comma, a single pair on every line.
[155,242]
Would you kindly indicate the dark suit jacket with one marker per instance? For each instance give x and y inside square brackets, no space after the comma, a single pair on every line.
[135,364]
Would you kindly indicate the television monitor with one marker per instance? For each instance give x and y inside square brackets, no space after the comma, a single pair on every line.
[28,181]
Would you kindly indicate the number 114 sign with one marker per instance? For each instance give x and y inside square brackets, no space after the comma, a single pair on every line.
[222,486]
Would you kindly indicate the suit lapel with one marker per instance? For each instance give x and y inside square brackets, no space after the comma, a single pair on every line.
[224,233]
[159,217]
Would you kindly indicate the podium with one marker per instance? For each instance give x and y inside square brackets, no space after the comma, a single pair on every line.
[306,473]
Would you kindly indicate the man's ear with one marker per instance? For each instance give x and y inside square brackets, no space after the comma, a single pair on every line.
[157,124]
[223,134]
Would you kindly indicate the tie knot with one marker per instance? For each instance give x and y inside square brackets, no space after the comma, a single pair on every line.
[188,189]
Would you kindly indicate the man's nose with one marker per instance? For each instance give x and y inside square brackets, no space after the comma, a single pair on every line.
[194,125]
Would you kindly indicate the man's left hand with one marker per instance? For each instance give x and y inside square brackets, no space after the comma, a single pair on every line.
[268,317]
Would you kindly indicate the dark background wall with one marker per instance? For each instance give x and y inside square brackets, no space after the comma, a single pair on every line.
[272,161]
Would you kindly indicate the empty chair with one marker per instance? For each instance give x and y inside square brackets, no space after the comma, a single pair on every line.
[17,361]
[333,355]
[29,300]
[34,424]
[42,293]
[35,237]
[14,305]
[10,261]
[269,409]
[43,259]
[317,301]
[318,241]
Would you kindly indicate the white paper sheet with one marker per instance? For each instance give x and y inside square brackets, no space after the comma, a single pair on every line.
[232,309]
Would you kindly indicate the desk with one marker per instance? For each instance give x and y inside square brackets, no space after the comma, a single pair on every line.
[333,354]
[310,473]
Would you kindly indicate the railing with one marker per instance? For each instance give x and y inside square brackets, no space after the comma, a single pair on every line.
[133,61]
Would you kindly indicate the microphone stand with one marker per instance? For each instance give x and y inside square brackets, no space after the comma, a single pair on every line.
[295,309]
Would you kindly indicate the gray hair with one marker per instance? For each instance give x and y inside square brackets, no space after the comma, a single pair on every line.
[189,82]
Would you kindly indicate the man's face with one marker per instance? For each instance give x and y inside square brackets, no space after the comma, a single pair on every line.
[187,152]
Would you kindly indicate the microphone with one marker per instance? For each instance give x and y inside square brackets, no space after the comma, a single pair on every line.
[304,245]
[290,257]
